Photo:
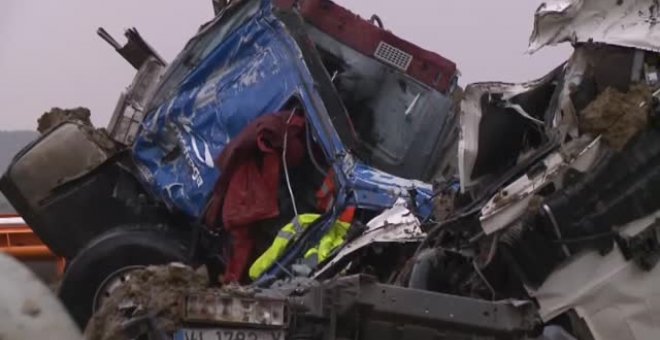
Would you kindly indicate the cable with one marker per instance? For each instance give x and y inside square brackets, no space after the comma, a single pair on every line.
[286,167]
[483,278]
[375,19]
[555,225]
[311,154]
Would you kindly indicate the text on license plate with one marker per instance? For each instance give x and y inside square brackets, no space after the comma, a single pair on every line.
[228,334]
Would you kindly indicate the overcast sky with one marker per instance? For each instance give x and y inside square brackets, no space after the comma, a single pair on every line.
[50,54]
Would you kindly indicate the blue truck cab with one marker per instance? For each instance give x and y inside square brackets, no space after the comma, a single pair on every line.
[379,112]
[378,121]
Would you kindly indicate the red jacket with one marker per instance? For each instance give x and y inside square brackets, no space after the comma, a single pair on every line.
[250,176]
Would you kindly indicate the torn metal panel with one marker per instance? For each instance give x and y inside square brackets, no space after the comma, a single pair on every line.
[629,23]
[616,298]
[470,121]
[512,201]
[495,119]
[378,190]
[498,119]
[396,225]
[566,122]
[591,71]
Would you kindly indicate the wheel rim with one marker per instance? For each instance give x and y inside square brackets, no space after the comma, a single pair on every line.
[111,283]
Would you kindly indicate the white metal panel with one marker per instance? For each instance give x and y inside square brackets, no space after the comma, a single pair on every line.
[395,225]
[629,23]
[617,299]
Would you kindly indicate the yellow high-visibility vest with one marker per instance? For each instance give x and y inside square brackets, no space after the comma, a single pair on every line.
[333,239]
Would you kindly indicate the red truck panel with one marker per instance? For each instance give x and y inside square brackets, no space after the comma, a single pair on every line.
[363,36]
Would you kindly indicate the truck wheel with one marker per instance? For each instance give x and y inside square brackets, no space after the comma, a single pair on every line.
[107,262]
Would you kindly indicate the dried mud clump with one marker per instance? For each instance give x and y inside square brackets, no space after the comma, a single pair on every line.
[157,291]
[617,116]
[57,116]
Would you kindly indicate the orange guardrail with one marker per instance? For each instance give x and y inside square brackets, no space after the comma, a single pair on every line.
[19,241]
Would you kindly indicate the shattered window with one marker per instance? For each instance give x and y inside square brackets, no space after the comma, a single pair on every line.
[402,125]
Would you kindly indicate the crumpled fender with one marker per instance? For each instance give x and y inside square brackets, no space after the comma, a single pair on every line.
[395,225]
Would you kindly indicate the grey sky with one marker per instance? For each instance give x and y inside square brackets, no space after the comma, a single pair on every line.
[50,54]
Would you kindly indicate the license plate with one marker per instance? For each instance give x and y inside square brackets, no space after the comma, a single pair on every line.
[211,308]
[228,334]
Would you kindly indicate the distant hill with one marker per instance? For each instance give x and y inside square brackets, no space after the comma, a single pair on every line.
[11,142]
[5,207]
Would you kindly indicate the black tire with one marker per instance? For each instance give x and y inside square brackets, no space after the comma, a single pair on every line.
[109,253]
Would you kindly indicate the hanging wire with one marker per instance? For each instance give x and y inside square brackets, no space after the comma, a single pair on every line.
[286,167]
[483,278]
[311,153]
[288,183]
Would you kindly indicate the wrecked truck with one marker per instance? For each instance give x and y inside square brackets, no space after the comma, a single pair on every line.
[274,110]
[553,229]
[550,232]
[559,180]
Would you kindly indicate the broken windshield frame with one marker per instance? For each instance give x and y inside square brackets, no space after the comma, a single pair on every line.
[402,125]
[200,46]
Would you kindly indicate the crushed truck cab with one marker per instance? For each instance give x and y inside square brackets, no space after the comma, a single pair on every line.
[297,172]
[274,109]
